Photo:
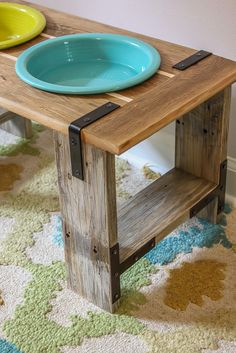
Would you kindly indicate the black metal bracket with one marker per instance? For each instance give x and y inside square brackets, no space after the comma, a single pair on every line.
[203,203]
[137,255]
[75,129]
[115,272]
[118,268]
[222,186]
[219,192]
[192,60]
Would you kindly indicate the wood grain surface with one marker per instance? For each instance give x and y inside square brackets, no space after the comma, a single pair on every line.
[89,221]
[201,143]
[146,108]
[201,137]
[152,111]
[158,209]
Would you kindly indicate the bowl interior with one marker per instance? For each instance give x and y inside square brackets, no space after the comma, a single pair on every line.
[14,23]
[87,61]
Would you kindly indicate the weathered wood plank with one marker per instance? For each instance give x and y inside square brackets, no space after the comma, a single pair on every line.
[201,141]
[89,221]
[152,111]
[52,110]
[126,95]
[129,94]
[155,103]
[15,124]
[125,127]
[201,137]
[158,209]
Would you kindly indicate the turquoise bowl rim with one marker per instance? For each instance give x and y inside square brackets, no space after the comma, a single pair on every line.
[22,60]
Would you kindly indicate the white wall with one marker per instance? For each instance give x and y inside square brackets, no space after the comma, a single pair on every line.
[204,24]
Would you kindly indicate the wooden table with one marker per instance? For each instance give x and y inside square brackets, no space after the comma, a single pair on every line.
[101,242]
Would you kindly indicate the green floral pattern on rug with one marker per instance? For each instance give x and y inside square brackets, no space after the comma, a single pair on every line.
[23,145]
[31,331]
[30,320]
[203,335]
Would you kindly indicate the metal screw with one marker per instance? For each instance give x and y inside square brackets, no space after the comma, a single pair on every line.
[77,172]
[116,274]
[136,258]
[181,65]
[199,54]
[73,142]
[87,119]
[116,296]
[109,105]
[114,252]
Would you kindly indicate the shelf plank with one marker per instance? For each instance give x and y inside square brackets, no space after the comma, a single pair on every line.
[152,212]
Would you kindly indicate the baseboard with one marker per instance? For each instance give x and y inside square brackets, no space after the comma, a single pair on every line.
[231,182]
[231,200]
[138,162]
[232,164]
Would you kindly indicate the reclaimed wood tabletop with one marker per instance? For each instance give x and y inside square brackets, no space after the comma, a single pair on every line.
[145,108]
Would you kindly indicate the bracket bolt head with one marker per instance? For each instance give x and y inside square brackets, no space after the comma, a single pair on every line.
[73,142]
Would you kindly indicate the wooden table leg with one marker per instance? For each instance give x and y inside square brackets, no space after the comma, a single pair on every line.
[15,124]
[201,144]
[90,224]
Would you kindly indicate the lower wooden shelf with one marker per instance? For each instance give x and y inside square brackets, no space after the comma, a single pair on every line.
[158,209]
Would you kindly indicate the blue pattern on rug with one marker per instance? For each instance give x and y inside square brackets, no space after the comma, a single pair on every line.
[7,347]
[57,234]
[207,235]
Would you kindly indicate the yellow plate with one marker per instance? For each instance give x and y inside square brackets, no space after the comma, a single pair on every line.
[18,24]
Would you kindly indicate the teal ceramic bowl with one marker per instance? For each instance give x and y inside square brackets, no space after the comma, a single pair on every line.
[87,63]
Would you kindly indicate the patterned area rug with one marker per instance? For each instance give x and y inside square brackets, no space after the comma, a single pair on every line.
[180,298]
